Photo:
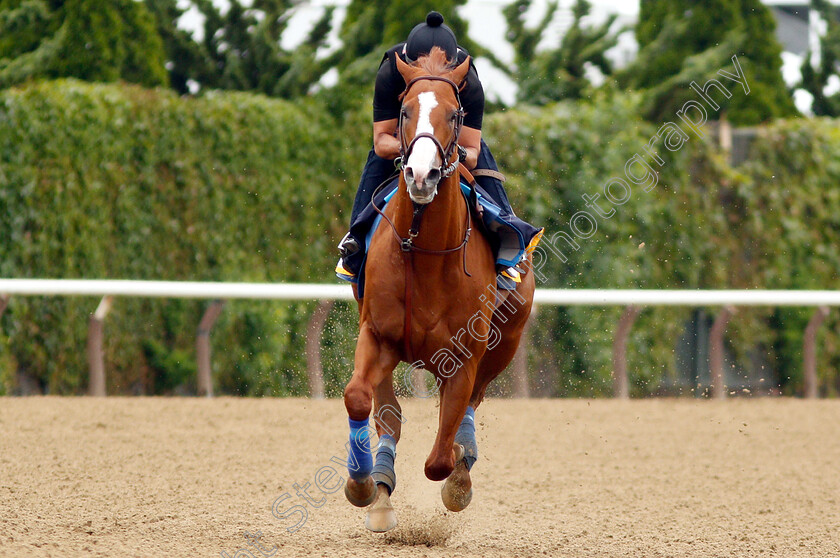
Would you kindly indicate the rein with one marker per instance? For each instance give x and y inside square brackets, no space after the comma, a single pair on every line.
[406,244]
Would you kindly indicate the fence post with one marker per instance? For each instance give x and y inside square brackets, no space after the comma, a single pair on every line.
[418,383]
[4,302]
[95,352]
[202,347]
[725,134]
[809,351]
[621,389]
[521,387]
[314,329]
[716,351]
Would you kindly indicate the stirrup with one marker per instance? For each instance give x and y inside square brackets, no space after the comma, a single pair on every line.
[508,278]
[342,273]
[513,274]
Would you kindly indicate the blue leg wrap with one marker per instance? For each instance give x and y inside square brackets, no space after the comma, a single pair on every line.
[359,460]
[466,437]
[383,471]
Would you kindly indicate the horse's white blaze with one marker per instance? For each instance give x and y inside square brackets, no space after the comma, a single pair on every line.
[424,153]
[428,101]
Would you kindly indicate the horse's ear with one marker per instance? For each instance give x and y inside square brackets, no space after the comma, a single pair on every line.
[458,74]
[405,70]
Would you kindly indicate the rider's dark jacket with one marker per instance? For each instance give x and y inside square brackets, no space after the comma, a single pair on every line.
[390,84]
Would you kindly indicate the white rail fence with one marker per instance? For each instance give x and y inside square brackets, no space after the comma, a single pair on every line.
[632,300]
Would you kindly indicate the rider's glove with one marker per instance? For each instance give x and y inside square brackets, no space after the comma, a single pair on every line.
[462,153]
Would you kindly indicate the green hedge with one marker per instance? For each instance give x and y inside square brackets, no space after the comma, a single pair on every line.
[770,223]
[120,182]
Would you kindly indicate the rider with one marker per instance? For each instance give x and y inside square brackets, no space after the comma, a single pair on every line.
[386,146]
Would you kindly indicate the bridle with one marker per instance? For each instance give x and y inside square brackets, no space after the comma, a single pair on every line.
[445,154]
[406,244]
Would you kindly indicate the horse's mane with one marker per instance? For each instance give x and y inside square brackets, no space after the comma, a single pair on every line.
[435,63]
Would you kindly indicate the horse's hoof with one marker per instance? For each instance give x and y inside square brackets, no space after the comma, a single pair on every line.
[360,494]
[381,516]
[457,490]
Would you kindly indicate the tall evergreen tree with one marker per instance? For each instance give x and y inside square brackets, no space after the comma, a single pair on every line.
[241,47]
[552,74]
[689,40]
[815,74]
[371,26]
[87,39]
[185,57]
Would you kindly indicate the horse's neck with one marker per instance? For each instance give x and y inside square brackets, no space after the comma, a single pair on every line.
[443,222]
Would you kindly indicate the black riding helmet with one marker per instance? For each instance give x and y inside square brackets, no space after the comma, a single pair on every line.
[432,33]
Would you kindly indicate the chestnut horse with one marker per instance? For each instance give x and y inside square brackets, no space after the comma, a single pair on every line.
[430,300]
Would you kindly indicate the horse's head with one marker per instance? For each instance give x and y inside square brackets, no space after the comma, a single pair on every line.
[430,122]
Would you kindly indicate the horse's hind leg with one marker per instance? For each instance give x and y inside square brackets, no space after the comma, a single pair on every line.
[510,318]
[388,419]
[374,362]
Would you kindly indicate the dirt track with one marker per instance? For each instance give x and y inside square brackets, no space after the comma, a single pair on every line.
[179,477]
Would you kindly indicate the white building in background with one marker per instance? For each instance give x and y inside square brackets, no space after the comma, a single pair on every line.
[798,29]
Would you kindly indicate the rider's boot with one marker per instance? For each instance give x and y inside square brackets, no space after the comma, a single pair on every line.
[346,247]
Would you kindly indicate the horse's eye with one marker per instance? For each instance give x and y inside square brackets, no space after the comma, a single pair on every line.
[404,113]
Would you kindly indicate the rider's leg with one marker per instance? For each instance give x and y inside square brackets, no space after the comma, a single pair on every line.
[496,190]
[376,171]
[493,186]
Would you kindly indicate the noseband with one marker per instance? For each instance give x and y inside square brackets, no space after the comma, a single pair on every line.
[445,154]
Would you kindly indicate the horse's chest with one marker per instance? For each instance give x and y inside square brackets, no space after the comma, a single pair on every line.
[433,324]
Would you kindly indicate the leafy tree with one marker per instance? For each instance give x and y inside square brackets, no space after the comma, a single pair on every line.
[683,41]
[370,27]
[815,77]
[87,39]
[241,49]
[546,75]
[185,57]
[665,93]
[22,26]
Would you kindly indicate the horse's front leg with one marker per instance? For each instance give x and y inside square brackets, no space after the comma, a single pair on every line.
[388,417]
[454,398]
[374,362]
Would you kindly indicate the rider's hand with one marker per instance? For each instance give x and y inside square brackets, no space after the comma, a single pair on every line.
[462,153]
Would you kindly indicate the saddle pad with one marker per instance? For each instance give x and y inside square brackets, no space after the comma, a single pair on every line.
[513,234]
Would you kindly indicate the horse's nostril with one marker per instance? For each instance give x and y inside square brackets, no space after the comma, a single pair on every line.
[433,176]
[409,174]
